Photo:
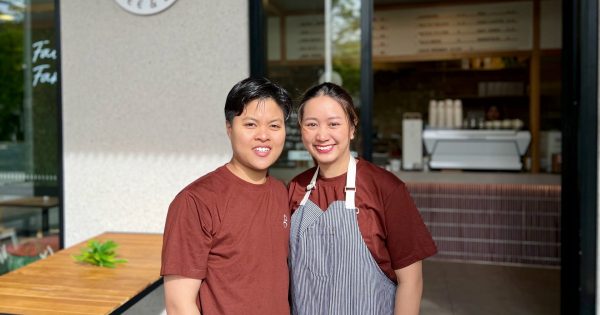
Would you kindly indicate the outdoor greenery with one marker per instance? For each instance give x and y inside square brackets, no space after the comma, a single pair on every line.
[11,78]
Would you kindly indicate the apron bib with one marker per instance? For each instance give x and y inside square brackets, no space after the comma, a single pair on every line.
[332,270]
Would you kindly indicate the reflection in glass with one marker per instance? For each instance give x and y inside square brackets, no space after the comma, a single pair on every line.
[297,56]
[29,224]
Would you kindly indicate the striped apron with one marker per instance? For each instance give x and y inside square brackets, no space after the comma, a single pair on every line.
[332,270]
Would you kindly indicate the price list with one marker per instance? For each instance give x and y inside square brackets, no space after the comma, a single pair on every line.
[450,29]
[305,38]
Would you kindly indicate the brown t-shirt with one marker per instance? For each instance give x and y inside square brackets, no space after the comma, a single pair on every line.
[233,235]
[388,219]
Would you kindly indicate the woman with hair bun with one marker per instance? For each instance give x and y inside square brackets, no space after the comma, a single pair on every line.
[357,239]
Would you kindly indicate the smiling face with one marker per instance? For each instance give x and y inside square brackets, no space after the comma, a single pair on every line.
[257,137]
[326,134]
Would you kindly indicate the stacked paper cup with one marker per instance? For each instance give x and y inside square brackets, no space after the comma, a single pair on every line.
[433,114]
[446,113]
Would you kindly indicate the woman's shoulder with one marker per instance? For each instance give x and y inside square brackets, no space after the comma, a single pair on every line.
[303,179]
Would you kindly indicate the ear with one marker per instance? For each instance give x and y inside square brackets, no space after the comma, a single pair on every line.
[352,130]
[228,128]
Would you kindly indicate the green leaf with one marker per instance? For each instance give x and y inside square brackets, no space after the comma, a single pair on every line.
[100,254]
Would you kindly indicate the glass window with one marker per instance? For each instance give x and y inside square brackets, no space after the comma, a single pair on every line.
[29,132]
[309,42]
[464,71]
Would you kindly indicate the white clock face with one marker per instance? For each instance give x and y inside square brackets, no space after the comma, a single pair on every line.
[145,7]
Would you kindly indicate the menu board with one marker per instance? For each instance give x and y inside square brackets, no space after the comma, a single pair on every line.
[504,26]
[305,37]
[453,29]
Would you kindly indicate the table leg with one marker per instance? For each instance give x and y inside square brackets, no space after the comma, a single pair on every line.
[45,220]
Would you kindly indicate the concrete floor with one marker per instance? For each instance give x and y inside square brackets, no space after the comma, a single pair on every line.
[462,289]
[458,289]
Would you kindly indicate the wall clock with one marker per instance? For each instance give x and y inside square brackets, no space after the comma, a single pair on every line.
[145,7]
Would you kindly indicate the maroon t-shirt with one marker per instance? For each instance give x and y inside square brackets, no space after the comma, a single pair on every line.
[234,236]
[388,219]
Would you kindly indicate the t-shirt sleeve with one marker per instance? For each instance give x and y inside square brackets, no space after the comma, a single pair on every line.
[187,238]
[408,239]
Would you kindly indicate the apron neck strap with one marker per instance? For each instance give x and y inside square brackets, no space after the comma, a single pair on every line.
[350,189]
[312,185]
[350,183]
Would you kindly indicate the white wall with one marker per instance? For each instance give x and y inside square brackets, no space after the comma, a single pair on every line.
[143,105]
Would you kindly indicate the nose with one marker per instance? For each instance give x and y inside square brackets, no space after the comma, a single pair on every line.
[262,134]
[322,134]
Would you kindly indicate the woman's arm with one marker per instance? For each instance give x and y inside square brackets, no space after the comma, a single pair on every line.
[409,290]
[181,294]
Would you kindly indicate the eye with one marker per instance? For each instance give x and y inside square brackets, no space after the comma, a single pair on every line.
[275,126]
[334,124]
[250,125]
[310,124]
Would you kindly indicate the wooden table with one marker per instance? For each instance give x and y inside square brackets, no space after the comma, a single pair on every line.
[60,285]
[44,203]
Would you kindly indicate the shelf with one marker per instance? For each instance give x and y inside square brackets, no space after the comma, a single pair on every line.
[477,97]
[459,70]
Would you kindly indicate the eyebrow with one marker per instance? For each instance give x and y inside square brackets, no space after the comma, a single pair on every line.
[254,119]
[328,118]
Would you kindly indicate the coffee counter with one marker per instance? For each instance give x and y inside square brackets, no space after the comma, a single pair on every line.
[487,217]
[464,177]
[478,177]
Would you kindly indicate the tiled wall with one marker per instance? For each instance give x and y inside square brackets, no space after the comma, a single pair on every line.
[496,223]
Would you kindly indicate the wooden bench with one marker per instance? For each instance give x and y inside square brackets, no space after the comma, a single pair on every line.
[60,285]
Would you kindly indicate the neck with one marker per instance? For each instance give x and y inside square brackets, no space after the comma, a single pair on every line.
[337,168]
[248,175]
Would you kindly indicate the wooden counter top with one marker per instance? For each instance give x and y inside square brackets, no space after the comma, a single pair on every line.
[60,285]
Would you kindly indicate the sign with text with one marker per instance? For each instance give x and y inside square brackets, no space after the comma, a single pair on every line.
[305,37]
[43,56]
[453,29]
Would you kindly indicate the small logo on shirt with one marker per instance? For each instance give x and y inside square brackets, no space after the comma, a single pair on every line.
[285,221]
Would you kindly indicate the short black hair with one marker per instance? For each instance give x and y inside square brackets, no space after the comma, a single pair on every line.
[250,89]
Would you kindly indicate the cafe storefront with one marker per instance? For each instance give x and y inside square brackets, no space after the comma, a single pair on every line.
[462,100]
[468,102]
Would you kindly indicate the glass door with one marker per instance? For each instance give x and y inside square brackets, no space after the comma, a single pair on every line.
[310,42]
[29,132]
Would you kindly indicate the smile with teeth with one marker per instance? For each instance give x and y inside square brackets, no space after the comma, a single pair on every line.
[324,148]
[262,149]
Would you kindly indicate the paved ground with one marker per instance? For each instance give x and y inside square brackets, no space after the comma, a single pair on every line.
[463,289]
